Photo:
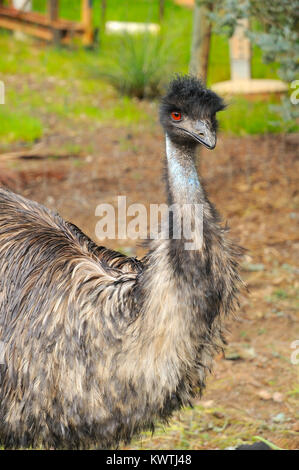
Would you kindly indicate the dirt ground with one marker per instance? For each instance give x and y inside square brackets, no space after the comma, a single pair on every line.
[253,182]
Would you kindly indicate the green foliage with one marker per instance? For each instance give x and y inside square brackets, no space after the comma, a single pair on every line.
[16,126]
[281,294]
[278,37]
[270,444]
[287,115]
[274,31]
[139,66]
[250,117]
[218,69]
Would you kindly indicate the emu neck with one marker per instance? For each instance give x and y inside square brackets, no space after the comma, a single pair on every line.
[184,292]
[169,325]
[184,186]
[173,333]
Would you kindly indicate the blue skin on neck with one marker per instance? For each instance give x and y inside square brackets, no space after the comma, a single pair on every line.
[182,178]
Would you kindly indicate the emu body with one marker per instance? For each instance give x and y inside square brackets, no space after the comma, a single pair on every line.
[99,346]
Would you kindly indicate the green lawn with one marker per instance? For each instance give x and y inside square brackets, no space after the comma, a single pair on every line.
[19,126]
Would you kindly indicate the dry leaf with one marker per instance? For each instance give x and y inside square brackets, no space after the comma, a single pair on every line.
[208,404]
[278,397]
[264,395]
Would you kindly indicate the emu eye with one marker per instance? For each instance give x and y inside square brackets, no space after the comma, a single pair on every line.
[176,115]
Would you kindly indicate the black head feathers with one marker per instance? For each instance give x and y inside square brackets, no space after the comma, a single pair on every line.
[188,95]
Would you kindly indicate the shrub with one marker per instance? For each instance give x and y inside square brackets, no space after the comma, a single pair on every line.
[140,66]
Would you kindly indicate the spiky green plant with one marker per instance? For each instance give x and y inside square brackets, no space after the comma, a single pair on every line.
[139,66]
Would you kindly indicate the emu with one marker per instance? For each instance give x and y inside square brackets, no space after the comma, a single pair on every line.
[99,346]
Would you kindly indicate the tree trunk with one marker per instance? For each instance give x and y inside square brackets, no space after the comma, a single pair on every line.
[103,16]
[201,39]
[53,10]
[161,10]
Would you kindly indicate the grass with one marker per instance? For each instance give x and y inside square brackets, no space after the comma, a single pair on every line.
[218,427]
[140,66]
[50,96]
[249,117]
[56,71]
[19,126]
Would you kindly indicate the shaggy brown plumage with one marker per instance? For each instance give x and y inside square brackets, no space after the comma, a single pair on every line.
[99,346]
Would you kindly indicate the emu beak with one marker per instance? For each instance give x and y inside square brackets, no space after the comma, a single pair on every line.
[201,132]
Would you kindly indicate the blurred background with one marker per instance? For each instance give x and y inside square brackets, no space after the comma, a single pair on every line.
[79,127]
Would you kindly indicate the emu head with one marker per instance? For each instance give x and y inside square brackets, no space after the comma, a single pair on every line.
[188,112]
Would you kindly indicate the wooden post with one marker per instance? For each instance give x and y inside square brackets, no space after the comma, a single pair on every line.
[53,16]
[201,39]
[2,92]
[161,10]
[103,21]
[103,13]
[53,10]
[240,52]
[87,22]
